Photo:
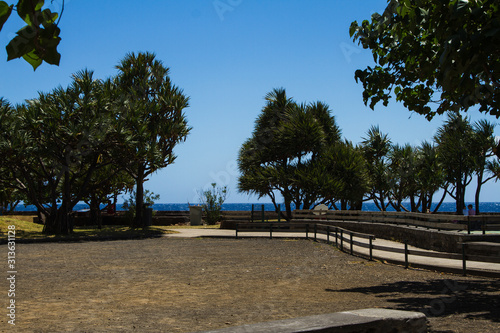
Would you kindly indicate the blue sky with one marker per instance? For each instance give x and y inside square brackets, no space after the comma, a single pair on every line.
[226,55]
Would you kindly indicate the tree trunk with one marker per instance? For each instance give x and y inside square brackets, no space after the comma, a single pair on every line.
[95,212]
[288,208]
[459,202]
[478,191]
[139,199]
[343,204]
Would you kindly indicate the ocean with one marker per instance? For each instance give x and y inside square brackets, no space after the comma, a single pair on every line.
[485,207]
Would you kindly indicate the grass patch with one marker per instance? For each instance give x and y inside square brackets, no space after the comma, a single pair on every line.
[24,228]
[30,230]
[216,226]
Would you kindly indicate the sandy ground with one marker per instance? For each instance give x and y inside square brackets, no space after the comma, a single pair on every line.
[188,285]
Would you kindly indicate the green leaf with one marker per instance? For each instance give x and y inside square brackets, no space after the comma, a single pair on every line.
[5,11]
[33,59]
[48,18]
[51,55]
[22,44]
[27,9]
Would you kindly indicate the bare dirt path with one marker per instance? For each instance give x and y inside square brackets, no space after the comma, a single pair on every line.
[188,285]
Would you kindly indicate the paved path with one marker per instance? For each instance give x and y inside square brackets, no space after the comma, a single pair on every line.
[438,264]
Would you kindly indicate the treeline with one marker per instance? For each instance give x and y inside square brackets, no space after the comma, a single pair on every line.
[296,150]
[91,140]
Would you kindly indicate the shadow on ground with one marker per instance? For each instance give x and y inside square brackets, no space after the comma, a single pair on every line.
[476,299]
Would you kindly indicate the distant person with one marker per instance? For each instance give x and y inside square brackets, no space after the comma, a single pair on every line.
[110,208]
[471,210]
[465,212]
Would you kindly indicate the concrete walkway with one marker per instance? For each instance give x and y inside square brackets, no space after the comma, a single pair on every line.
[438,264]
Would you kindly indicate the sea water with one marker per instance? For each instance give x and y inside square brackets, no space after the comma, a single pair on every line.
[485,207]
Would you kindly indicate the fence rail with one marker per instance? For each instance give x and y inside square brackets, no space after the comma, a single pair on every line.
[345,240]
[448,222]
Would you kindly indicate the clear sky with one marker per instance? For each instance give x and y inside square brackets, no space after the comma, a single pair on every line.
[226,55]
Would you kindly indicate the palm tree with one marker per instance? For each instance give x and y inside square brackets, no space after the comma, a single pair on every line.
[455,146]
[402,172]
[430,175]
[345,178]
[375,148]
[483,144]
[60,138]
[283,154]
[151,110]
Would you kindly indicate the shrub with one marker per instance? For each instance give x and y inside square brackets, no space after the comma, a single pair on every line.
[212,201]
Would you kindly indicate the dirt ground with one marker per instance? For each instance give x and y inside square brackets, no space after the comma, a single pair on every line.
[188,285]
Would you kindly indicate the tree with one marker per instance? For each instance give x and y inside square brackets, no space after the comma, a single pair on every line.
[429,51]
[376,147]
[283,152]
[455,150]
[483,144]
[106,184]
[430,176]
[402,176]
[151,110]
[344,176]
[37,41]
[56,142]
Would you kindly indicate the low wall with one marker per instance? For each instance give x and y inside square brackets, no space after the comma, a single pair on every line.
[429,239]
[443,241]
[358,321]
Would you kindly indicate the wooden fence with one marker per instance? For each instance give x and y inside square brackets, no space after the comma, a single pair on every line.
[429,221]
[345,240]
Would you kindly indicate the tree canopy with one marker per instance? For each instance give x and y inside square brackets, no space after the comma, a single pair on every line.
[287,152]
[151,110]
[433,52]
[89,140]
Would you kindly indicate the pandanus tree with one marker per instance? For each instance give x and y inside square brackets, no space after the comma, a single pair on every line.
[484,165]
[376,147]
[282,155]
[344,176]
[9,196]
[402,172]
[54,145]
[430,176]
[151,110]
[455,150]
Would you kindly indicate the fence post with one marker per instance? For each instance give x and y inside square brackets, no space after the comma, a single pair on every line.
[406,254]
[252,212]
[468,225]
[315,231]
[328,234]
[483,226]
[279,213]
[371,248]
[341,240]
[351,244]
[307,231]
[236,230]
[464,261]
[337,236]
[270,230]
[263,214]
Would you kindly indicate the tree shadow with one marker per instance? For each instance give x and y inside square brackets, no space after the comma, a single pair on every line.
[476,299]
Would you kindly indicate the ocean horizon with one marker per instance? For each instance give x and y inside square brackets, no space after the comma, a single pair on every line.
[485,207]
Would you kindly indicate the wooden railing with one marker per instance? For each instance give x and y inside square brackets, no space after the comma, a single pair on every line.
[430,221]
[345,240]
